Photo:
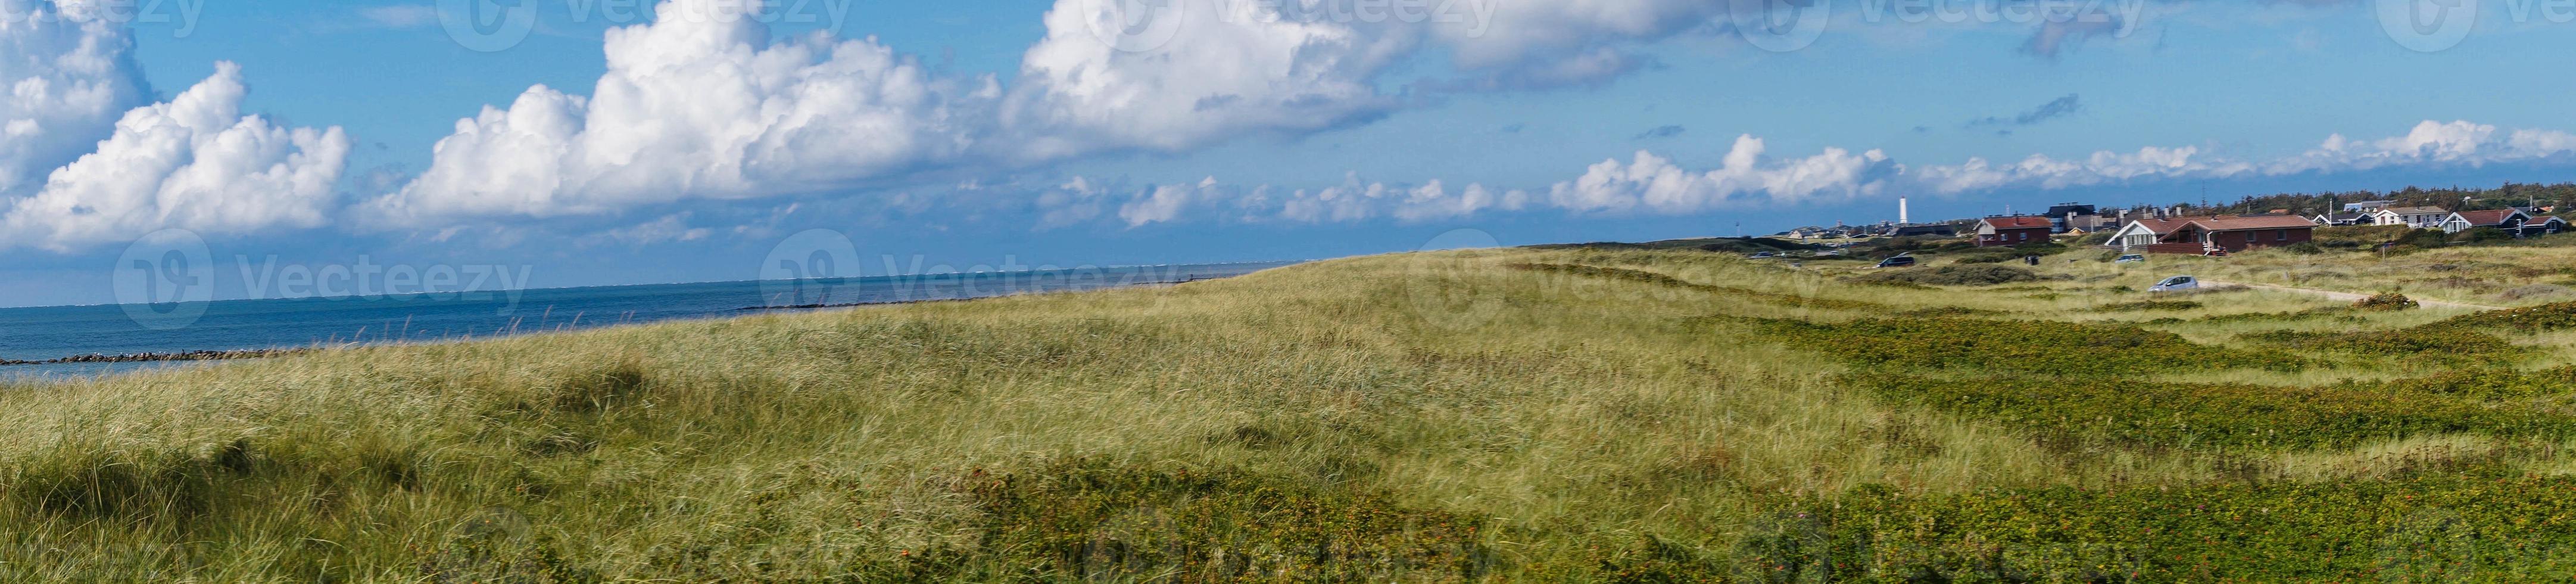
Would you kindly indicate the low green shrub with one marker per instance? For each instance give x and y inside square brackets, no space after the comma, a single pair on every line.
[2534,291]
[2149,305]
[1665,280]
[2336,313]
[1950,311]
[2041,347]
[2419,239]
[2482,235]
[1729,245]
[2386,302]
[1969,275]
[1092,520]
[2438,343]
[2355,236]
[2543,318]
[1997,255]
[1897,284]
[2486,383]
[2070,411]
[2304,248]
[2428,527]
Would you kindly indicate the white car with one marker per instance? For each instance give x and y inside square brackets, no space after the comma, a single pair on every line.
[2176,284]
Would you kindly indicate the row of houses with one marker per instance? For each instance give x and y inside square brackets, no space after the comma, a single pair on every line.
[1889,229]
[2362,214]
[2223,234]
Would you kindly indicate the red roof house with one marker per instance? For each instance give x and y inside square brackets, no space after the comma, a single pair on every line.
[2506,219]
[2011,231]
[2543,225]
[2213,235]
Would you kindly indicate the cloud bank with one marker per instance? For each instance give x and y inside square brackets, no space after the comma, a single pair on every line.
[194,162]
[2428,144]
[703,105]
[1749,178]
[85,162]
[66,79]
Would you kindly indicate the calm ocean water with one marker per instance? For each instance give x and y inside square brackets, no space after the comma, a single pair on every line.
[36,334]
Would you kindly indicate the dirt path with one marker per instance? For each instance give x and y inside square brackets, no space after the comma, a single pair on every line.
[2348,296]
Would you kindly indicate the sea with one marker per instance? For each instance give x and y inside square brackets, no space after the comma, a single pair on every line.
[53,333]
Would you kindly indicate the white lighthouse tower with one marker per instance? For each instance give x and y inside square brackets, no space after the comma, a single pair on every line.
[1904,216]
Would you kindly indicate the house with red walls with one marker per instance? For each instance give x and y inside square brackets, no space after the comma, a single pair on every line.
[2012,231]
[2216,235]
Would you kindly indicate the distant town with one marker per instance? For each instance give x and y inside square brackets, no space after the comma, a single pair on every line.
[2514,211]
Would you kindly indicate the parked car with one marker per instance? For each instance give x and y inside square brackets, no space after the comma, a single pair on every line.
[1897,262]
[2130,259]
[2176,284]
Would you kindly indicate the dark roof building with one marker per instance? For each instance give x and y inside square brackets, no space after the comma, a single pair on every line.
[2213,235]
[2497,218]
[2011,231]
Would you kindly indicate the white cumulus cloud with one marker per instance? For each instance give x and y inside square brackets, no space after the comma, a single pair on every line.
[194,162]
[1744,179]
[701,105]
[1211,70]
[2428,144]
[698,104]
[65,78]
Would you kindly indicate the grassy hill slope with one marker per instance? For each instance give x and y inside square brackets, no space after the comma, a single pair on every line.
[1540,415]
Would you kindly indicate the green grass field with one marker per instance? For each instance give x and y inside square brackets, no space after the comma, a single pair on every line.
[1630,415]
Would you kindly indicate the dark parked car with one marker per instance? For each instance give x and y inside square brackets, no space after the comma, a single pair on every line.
[1897,262]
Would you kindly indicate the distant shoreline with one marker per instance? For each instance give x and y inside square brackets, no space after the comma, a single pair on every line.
[240,354]
[159,357]
[932,300]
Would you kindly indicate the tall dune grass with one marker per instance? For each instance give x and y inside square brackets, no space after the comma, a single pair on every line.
[1421,417]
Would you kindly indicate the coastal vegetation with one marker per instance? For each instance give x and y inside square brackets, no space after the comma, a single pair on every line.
[1577,413]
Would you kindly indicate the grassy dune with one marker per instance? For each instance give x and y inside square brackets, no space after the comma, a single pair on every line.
[1527,415]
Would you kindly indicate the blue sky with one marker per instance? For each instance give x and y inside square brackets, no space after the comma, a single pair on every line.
[689,147]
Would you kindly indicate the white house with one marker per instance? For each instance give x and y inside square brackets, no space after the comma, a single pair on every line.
[2543,226]
[2225,234]
[2416,217]
[2508,219]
